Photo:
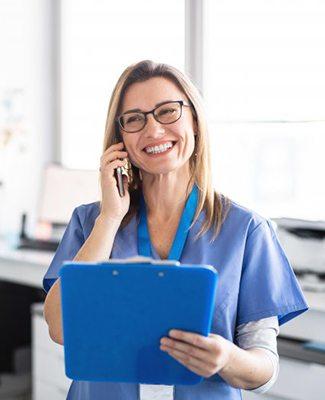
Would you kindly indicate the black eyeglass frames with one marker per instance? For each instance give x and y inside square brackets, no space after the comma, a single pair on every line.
[166,113]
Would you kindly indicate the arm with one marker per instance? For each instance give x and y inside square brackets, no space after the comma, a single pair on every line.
[100,241]
[253,366]
[96,248]
[261,335]
[247,369]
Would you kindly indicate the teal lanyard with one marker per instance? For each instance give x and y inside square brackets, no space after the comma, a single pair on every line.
[144,243]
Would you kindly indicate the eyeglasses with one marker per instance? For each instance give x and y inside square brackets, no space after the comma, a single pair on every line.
[166,113]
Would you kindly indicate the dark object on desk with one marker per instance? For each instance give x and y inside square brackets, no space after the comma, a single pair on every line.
[308,233]
[34,244]
[300,350]
[315,346]
[15,303]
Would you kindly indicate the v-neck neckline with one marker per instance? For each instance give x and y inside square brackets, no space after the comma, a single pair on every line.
[145,246]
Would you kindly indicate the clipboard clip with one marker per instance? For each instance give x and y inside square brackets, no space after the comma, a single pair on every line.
[173,263]
[144,260]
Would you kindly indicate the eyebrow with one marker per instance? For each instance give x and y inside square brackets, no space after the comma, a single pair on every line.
[157,105]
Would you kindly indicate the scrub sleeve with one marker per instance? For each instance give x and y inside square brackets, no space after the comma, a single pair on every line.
[268,285]
[71,242]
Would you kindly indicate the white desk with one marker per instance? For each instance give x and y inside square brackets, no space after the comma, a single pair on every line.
[29,266]
[23,266]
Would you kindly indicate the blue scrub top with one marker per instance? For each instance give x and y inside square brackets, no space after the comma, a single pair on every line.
[255,281]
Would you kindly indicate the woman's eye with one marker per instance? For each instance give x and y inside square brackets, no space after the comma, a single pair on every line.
[167,111]
[133,119]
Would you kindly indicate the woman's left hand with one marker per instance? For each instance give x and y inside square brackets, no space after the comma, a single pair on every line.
[203,355]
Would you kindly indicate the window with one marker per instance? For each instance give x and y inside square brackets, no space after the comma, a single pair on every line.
[98,41]
[265,94]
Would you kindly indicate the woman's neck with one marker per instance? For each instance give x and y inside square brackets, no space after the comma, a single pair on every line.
[165,195]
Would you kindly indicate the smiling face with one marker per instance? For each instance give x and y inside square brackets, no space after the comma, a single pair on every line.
[145,96]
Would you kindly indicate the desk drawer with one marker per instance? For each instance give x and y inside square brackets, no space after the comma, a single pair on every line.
[45,391]
[246,395]
[48,357]
[41,337]
[299,380]
[50,368]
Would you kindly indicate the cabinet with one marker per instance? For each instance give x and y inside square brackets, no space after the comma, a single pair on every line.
[255,396]
[49,379]
[297,380]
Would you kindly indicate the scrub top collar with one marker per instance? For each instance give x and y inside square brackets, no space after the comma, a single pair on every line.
[144,243]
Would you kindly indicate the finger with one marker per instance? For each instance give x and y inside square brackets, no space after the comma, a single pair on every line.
[193,338]
[193,364]
[189,349]
[104,162]
[108,169]
[115,146]
[113,156]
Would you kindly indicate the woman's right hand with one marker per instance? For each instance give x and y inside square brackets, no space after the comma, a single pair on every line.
[113,206]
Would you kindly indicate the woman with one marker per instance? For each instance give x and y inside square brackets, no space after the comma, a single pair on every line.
[156,117]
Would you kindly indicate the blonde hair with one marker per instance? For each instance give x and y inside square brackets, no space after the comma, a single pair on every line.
[214,204]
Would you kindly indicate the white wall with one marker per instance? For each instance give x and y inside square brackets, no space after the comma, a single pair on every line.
[27,65]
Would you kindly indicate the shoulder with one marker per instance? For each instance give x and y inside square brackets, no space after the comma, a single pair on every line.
[242,217]
[87,213]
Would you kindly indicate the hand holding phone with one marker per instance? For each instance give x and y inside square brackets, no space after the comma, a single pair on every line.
[115,196]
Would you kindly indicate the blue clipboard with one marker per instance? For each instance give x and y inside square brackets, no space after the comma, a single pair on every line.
[114,315]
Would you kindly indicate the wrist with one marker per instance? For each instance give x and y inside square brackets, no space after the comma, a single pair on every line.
[231,350]
[108,221]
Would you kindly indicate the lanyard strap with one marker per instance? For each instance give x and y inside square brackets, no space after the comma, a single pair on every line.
[144,244]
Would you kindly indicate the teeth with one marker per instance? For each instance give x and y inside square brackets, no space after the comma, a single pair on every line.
[159,149]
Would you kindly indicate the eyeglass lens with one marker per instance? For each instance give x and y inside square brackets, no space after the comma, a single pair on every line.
[165,114]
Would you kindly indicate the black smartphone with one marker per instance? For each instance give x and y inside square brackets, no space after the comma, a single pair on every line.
[118,172]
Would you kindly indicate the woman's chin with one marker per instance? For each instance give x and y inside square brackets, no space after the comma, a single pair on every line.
[162,169]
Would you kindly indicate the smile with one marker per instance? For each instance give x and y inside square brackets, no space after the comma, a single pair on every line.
[161,149]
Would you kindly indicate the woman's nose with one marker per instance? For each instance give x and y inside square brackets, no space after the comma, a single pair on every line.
[153,128]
